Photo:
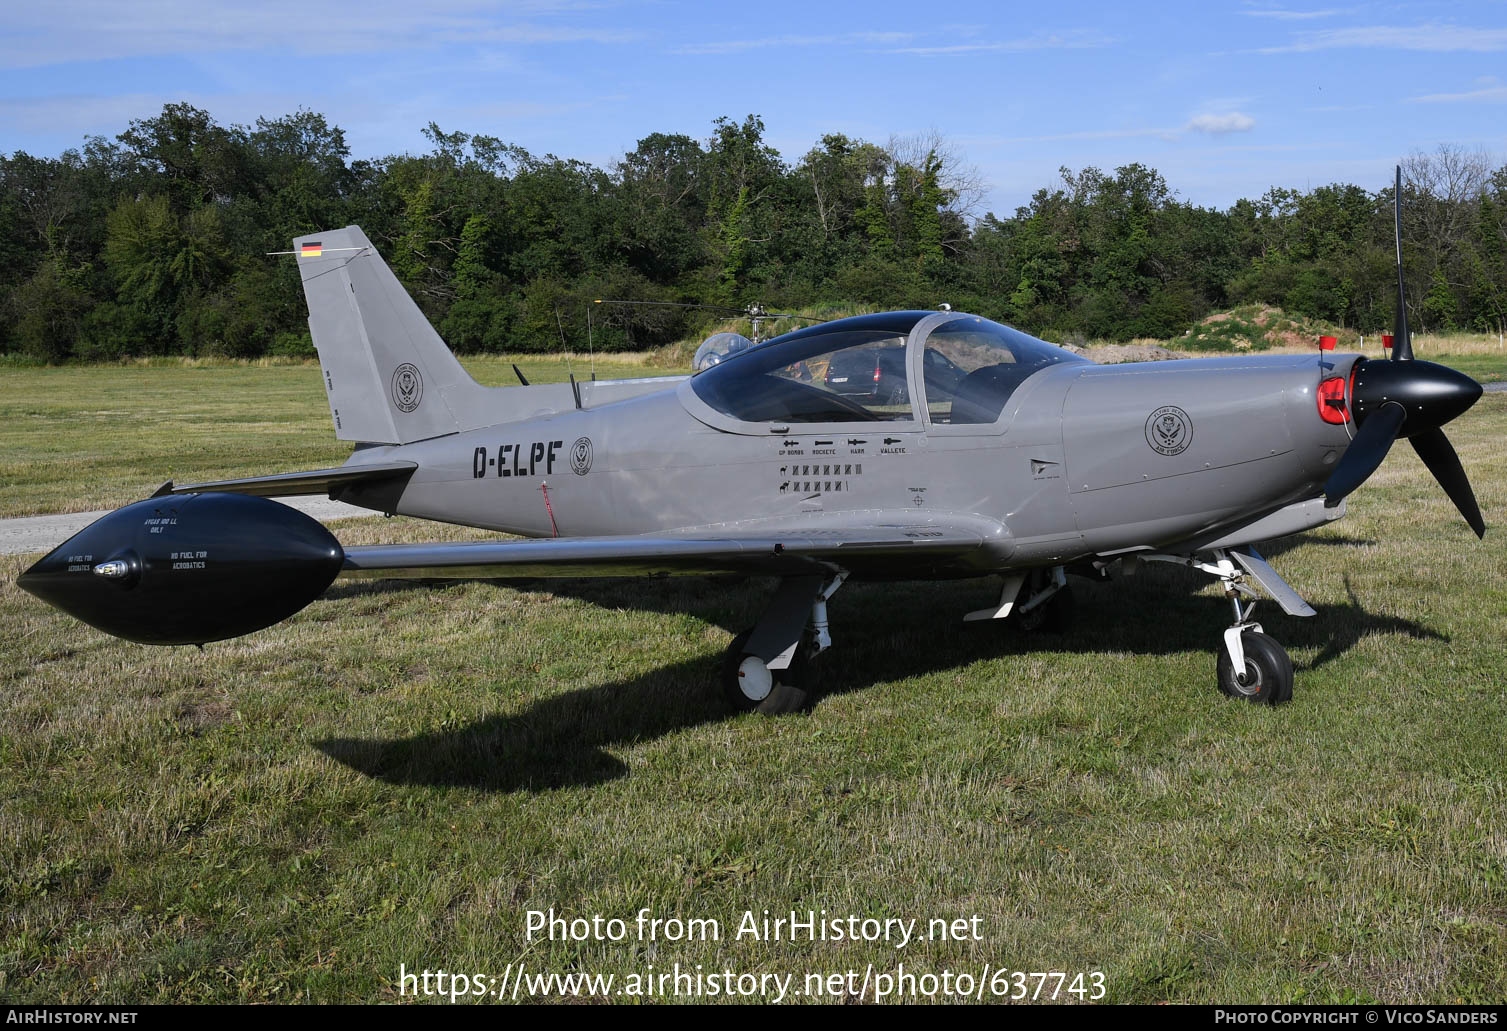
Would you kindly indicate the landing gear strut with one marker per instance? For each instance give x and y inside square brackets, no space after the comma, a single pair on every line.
[1038,599]
[1251,665]
[768,667]
[1048,603]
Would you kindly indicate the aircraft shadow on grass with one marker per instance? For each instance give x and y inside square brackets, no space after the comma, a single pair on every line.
[564,740]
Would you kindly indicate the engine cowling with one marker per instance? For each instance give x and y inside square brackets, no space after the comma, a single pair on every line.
[189,569]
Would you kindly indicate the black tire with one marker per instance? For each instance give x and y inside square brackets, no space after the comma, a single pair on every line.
[791,689]
[1053,616]
[1268,671]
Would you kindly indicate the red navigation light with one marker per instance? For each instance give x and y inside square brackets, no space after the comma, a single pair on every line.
[1331,397]
[1327,343]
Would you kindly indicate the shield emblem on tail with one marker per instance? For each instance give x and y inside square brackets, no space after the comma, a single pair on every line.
[407,387]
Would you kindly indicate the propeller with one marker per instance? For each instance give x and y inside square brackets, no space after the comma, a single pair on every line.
[1405,397]
[1366,451]
[1435,450]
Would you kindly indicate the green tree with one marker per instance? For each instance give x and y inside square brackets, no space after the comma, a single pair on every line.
[50,309]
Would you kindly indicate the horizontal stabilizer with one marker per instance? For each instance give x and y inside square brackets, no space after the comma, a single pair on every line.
[282,485]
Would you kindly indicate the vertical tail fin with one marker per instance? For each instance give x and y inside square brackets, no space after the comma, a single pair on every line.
[389,376]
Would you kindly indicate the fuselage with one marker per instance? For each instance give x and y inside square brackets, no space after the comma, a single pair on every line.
[1082,460]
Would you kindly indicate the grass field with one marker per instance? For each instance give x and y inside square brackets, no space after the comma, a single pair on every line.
[401,771]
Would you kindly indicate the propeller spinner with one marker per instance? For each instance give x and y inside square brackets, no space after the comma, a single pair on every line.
[1403,397]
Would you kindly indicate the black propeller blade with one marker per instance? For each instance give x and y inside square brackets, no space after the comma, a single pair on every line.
[1365,452]
[1390,399]
[1435,450]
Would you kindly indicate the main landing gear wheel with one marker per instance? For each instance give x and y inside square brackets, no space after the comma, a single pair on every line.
[1267,679]
[1052,616]
[751,686]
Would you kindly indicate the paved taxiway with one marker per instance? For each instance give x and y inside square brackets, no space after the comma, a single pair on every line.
[43,533]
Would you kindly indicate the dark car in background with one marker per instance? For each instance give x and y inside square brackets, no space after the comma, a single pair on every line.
[878,373]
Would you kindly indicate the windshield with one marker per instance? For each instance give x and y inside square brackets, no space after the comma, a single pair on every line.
[972,366]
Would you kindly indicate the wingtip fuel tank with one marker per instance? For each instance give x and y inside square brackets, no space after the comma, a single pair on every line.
[189,569]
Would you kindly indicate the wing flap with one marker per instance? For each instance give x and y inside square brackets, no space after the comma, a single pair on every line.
[888,550]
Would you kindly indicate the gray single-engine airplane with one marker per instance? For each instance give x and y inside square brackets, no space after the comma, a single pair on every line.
[902,445]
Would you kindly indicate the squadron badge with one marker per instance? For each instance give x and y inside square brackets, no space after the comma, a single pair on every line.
[1169,431]
[407,387]
[580,456]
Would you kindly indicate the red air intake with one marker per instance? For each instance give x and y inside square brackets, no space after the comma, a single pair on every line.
[1332,406]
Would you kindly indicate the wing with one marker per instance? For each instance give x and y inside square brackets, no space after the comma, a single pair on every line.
[881,551]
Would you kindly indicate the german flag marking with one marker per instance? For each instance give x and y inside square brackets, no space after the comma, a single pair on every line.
[310,250]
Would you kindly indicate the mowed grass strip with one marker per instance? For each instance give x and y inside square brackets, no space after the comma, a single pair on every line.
[399,772]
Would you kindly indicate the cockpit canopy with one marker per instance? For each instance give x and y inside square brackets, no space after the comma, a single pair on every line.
[879,368]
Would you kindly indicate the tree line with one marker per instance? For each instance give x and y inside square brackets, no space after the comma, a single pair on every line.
[156,241]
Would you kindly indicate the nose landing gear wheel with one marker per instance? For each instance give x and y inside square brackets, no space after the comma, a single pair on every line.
[1267,679]
[751,686]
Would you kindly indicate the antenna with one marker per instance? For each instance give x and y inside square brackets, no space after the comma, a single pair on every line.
[1402,346]
[590,342]
[569,363]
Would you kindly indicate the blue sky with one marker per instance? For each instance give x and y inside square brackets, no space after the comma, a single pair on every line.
[1224,98]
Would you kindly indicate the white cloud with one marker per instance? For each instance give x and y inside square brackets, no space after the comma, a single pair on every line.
[1285,15]
[82,114]
[891,43]
[1433,37]
[1212,124]
[734,46]
[1231,121]
[1072,39]
[61,31]
[1491,94]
